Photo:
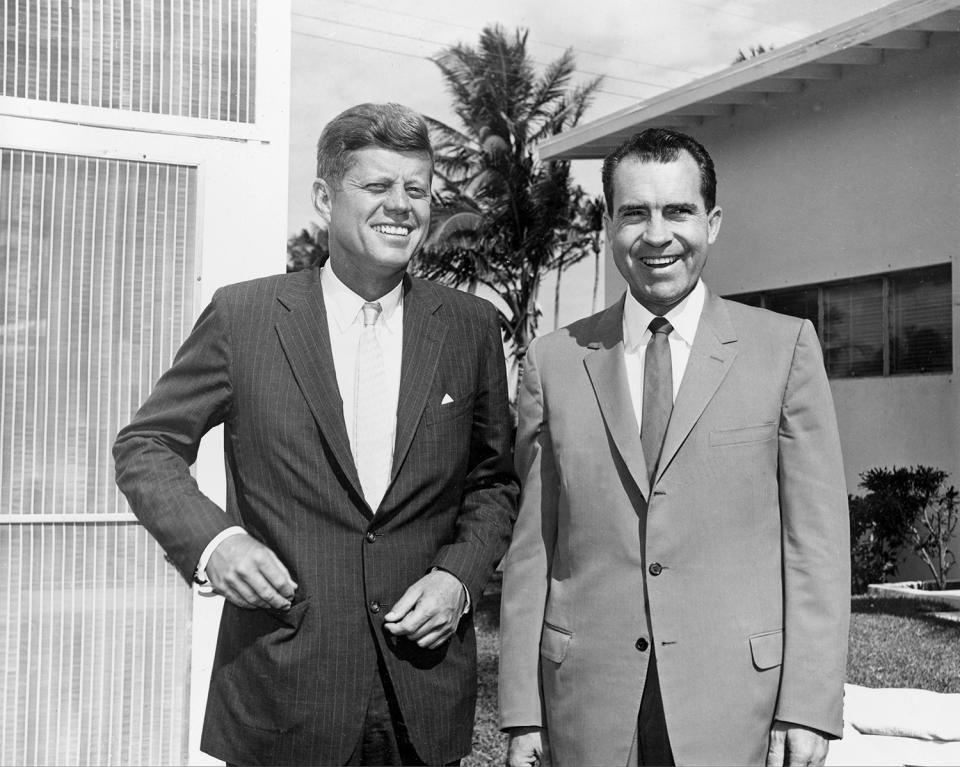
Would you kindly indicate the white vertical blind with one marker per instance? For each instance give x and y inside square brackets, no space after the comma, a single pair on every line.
[97,265]
[191,58]
[98,260]
[94,631]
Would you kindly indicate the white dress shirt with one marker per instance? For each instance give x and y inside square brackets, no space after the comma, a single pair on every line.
[684,317]
[345,322]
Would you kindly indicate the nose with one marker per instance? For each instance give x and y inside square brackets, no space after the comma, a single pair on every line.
[656,233]
[397,200]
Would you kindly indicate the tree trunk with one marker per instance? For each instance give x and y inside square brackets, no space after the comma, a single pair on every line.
[596,279]
[556,300]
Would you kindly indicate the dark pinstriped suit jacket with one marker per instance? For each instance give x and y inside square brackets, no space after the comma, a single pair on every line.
[292,688]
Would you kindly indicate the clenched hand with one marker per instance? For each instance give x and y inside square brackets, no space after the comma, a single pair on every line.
[250,575]
[429,611]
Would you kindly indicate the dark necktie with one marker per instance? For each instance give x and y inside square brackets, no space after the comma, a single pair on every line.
[657,393]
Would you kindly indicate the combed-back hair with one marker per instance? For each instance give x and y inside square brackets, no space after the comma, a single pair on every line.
[661,145]
[388,126]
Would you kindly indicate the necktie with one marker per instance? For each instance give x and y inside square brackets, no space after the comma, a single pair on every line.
[372,432]
[657,393]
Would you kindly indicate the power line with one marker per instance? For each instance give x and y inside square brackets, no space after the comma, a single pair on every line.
[360,45]
[748,16]
[425,58]
[442,44]
[586,51]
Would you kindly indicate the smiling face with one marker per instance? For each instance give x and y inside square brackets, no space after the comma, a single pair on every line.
[377,216]
[659,229]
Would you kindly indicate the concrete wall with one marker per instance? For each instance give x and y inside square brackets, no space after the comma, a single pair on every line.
[850,178]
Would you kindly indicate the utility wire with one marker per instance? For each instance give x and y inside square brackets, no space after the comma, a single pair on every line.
[442,44]
[360,45]
[586,51]
[748,16]
[421,57]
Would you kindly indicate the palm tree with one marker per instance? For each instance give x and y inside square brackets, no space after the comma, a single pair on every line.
[752,52]
[502,218]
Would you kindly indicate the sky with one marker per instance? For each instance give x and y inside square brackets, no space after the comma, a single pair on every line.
[349,51]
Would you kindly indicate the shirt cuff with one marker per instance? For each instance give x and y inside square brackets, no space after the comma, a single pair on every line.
[466,592]
[200,574]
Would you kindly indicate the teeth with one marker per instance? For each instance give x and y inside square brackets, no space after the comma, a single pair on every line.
[661,261]
[389,229]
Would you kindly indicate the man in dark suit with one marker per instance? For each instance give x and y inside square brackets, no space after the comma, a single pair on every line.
[370,486]
[677,586]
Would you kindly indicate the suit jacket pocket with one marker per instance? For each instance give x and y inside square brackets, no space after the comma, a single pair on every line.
[554,643]
[743,435]
[262,666]
[293,617]
[450,411]
[767,649]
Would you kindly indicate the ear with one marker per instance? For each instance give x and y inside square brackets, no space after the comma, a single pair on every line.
[322,198]
[714,218]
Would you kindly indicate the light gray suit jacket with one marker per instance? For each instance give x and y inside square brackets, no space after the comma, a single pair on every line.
[733,563]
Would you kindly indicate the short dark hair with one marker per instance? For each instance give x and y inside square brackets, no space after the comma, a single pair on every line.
[388,126]
[661,145]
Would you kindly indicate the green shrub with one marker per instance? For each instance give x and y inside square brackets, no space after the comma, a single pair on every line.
[903,507]
[872,558]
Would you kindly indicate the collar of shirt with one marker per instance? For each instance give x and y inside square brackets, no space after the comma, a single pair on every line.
[685,318]
[346,307]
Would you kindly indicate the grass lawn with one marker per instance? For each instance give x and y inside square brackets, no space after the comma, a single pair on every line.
[893,643]
[901,643]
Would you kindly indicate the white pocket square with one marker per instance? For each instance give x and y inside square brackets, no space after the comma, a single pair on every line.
[447,399]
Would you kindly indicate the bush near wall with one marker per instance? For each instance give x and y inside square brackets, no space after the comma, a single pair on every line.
[909,509]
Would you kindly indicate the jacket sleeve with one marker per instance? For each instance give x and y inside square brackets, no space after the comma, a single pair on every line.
[154,453]
[527,567]
[488,507]
[816,546]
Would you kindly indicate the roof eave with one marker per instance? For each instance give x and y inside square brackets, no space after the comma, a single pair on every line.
[576,143]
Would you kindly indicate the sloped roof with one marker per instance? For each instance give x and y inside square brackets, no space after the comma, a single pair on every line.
[903,24]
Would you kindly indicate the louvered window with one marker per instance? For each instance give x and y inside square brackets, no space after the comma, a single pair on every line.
[920,327]
[887,325]
[190,58]
[98,274]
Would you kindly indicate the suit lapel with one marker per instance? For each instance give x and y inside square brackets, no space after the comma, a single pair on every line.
[305,339]
[711,356]
[423,335]
[608,374]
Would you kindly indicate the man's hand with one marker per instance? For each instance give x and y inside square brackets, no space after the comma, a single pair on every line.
[528,747]
[429,611]
[791,744]
[250,575]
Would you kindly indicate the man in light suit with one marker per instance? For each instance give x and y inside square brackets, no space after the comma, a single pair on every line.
[370,486]
[677,586]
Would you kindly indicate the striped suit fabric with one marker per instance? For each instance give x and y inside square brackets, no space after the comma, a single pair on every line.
[292,688]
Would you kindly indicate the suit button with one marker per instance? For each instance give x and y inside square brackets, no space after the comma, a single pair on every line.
[656,568]
[371,537]
[642,644]
[374,607]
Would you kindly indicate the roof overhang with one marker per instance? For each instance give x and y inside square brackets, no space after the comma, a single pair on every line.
[903,24]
